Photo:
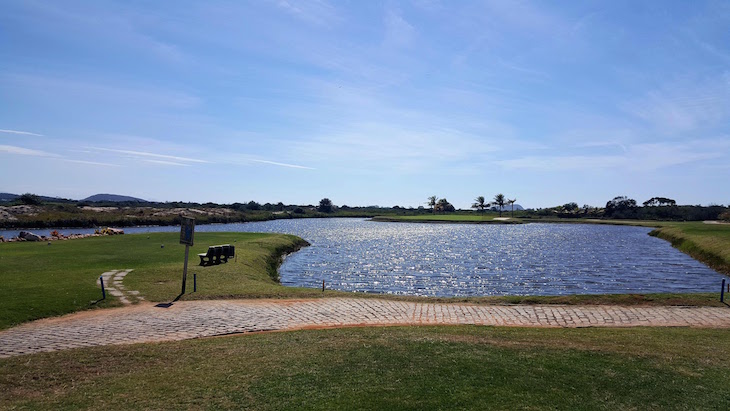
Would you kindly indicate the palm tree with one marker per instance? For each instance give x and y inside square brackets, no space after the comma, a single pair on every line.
[479,204]
[432,203]
[512,203]
[499,201]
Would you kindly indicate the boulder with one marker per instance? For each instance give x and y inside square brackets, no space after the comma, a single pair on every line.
[27,236]
[109,231]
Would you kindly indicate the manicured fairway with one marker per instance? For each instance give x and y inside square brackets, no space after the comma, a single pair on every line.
[464,367]
[40,280]
[709,243]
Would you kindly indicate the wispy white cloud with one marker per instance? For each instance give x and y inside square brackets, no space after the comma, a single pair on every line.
[317,12]
[683,106]
[166,163]
[398,32]
[282,164]
[84,90]
[93,163]
[122,27]
[639,157]
[24,133]
[153,155]
[25,151]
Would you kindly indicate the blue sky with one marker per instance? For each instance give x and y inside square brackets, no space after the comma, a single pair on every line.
[367,102]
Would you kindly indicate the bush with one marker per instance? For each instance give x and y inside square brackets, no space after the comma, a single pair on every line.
[30,199]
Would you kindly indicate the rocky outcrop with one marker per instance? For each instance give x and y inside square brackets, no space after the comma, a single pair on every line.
[56,236]
[28,236]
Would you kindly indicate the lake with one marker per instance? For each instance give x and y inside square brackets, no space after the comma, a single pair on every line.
[475,260]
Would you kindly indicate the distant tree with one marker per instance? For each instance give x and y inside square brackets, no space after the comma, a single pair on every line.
[724,216]
[479,204]
[30,199]
[570,207]
[512,203]
[659,201]
[432,203]
[621,207]
[298,210]
[443,206]
[280,206]
[325,205]
[499,201]
[252,205]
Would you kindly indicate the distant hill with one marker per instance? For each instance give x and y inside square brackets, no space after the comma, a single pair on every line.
[13,197]
[8,196]
[113,198]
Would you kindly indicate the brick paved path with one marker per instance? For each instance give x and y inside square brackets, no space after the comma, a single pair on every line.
[193,319]
[113,284]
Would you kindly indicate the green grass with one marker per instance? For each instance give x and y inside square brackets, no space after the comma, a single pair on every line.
[403,368]
[40,280]
[709,243]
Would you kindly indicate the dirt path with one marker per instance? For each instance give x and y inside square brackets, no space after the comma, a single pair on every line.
[146,322]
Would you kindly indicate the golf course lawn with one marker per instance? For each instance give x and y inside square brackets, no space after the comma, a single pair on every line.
[40,280]
[418,368]
[709,243]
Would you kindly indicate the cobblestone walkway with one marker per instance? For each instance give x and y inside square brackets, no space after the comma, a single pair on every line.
[194,319]
[113,284]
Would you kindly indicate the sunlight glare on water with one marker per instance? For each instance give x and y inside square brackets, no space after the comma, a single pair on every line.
[478,260]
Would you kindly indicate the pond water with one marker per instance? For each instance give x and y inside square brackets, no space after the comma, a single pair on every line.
[476,260]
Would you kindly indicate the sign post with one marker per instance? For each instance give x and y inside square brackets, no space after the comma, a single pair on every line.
[187,230]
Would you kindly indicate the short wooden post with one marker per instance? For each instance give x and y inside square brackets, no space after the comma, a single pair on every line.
[722,291]
[195,282]
[322,285]
[103,292]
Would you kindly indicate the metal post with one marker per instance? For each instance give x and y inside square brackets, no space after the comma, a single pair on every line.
[185,268]
[103,293]
[195,282]
[722,291]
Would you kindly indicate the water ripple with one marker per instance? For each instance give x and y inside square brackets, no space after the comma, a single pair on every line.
[475,260]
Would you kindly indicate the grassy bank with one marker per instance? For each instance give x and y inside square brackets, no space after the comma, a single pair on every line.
[41,280]
[709,243]
[417,368]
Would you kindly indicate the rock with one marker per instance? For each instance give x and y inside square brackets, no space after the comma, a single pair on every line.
[29,236]
[111,231]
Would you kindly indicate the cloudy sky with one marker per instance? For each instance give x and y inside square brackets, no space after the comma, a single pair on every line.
[367,102]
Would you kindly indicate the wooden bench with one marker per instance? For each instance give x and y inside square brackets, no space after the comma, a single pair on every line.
[217,254]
